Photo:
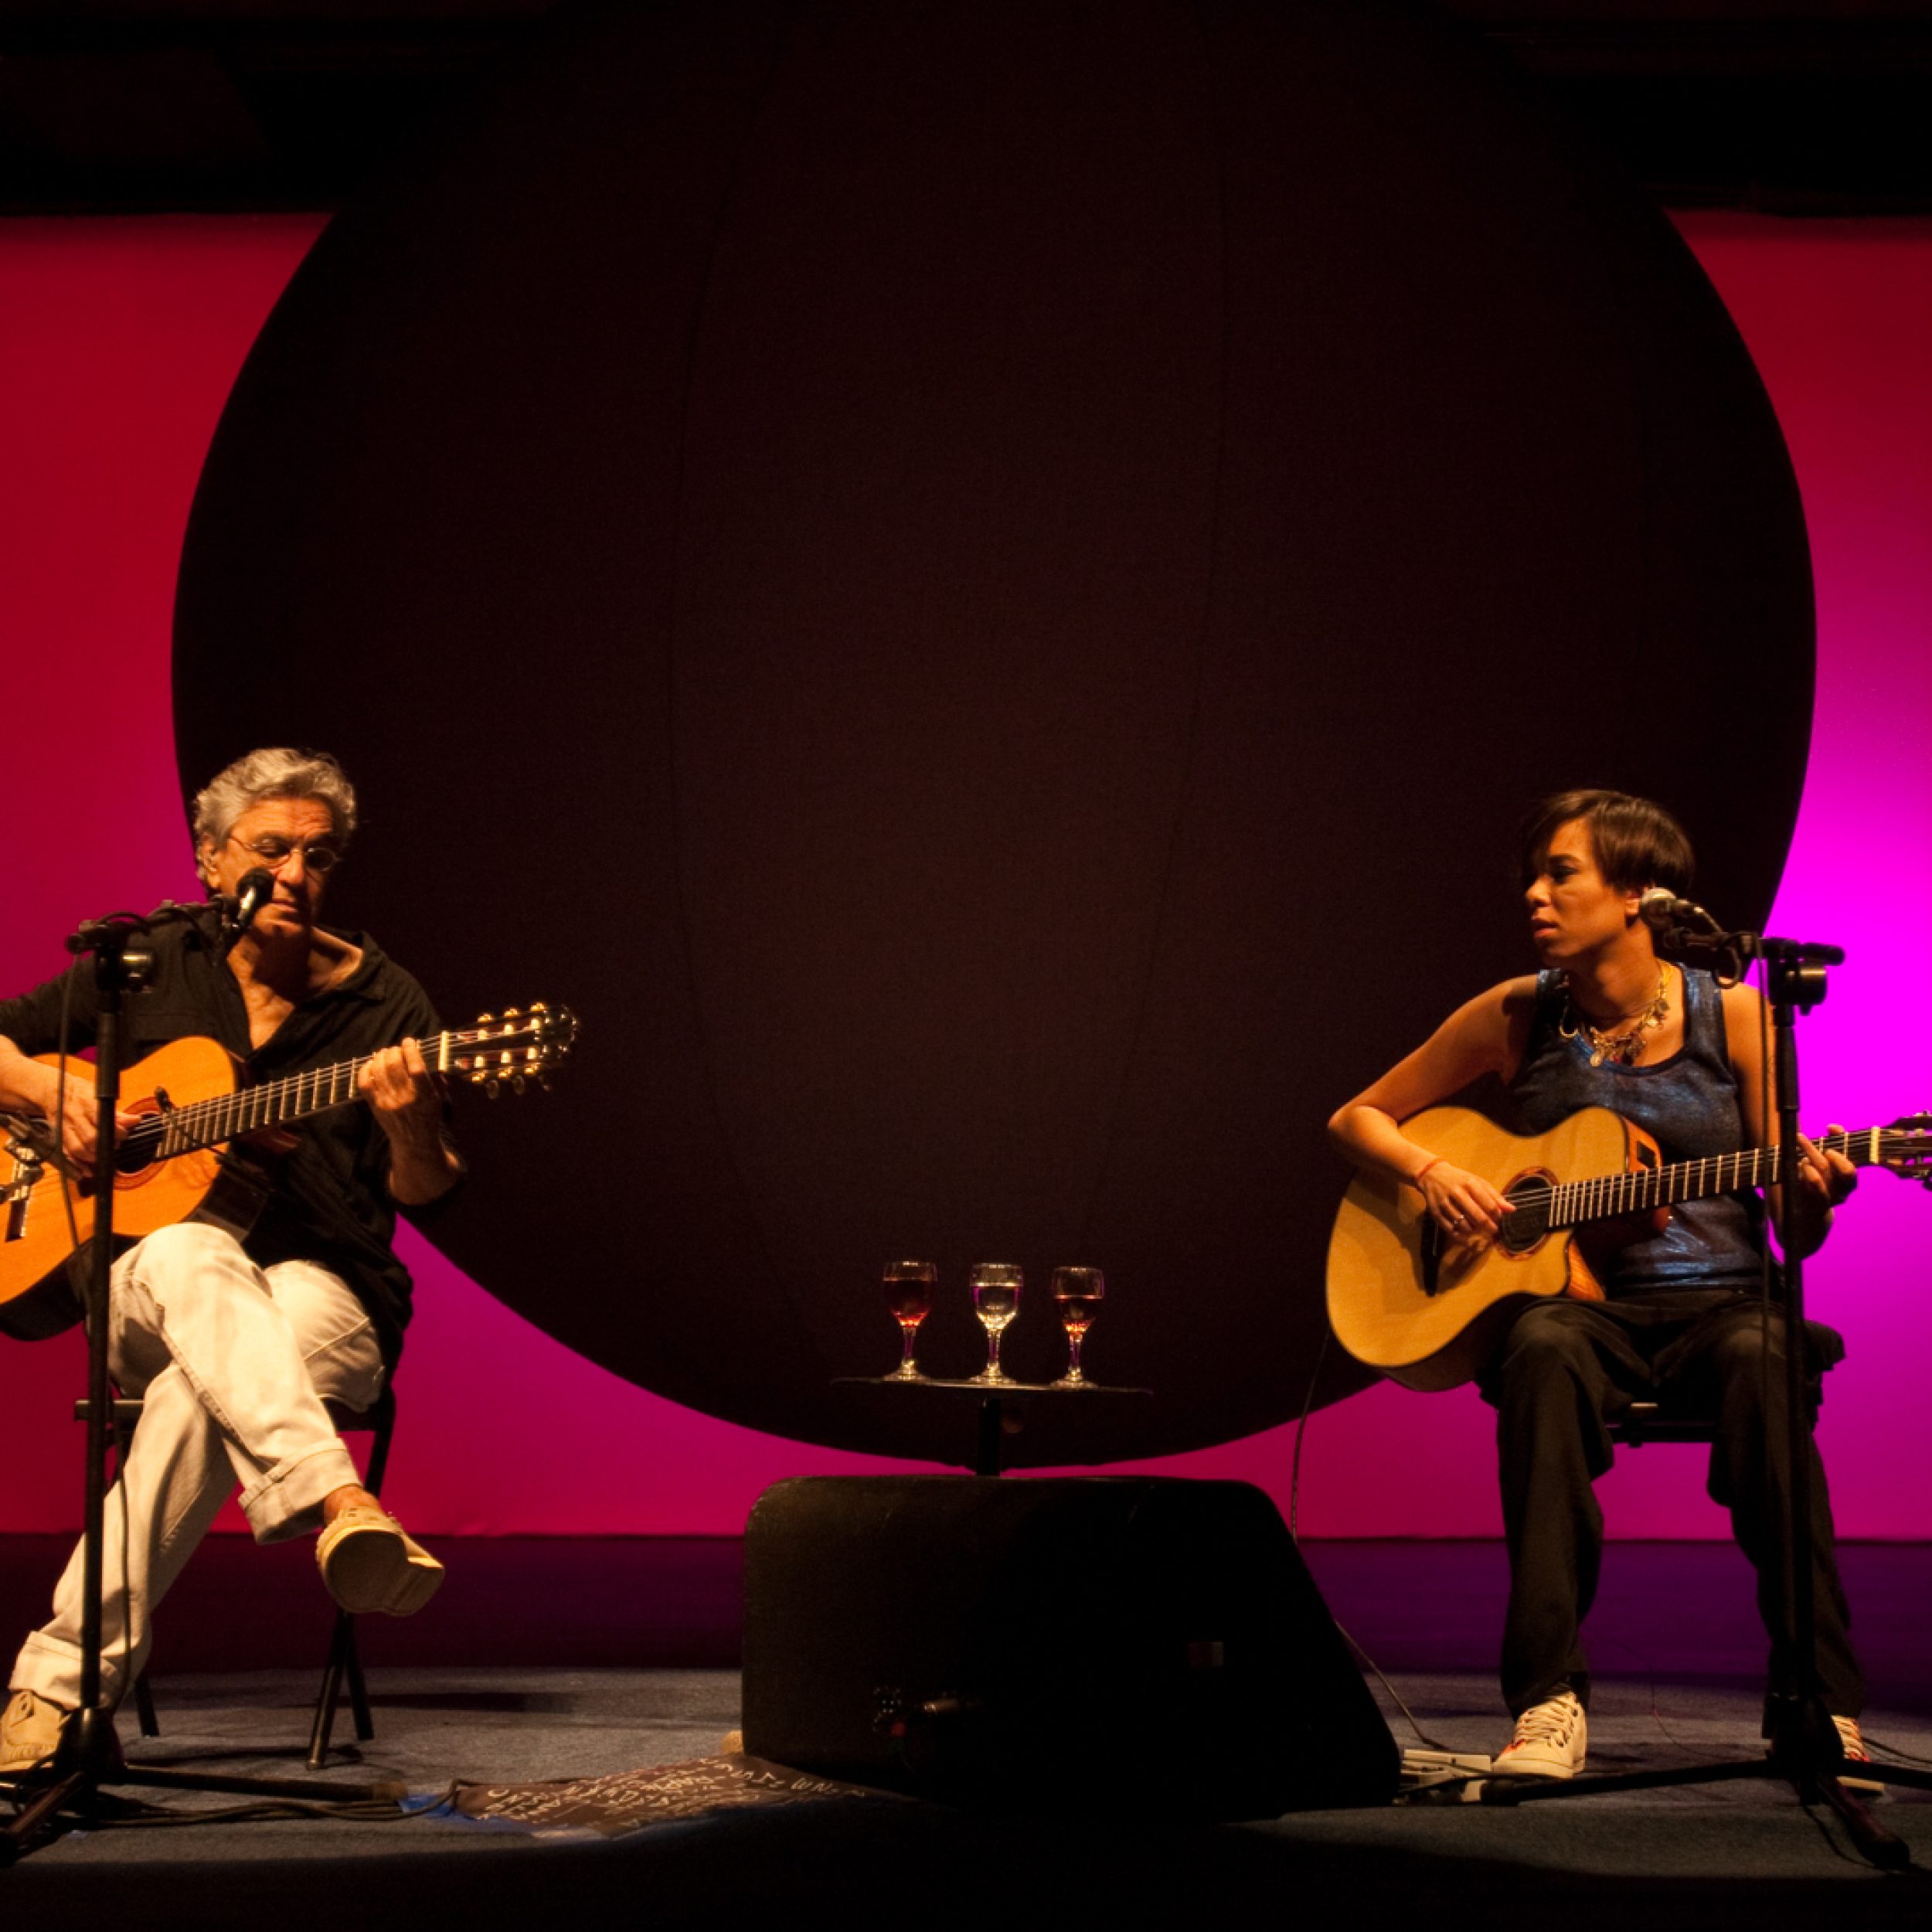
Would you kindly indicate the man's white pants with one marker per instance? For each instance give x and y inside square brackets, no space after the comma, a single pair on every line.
[231,1361]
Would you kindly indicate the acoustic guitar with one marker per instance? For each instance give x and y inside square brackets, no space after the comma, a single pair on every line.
[1428,1312]
[178,1162]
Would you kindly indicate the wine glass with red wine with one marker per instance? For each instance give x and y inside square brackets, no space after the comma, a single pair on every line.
[995,1286]
[1076,1294]
[909,1293]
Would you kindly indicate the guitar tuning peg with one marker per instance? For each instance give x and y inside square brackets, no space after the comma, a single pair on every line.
[483,1019]
[492,1086]
[539,1006]
[511,1012]
[517,1083]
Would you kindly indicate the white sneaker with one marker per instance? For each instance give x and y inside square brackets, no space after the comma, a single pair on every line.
[1549,1741]
[1852,1738]
[1851,1742]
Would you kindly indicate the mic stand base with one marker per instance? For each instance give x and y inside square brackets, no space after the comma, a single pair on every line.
[77,1790]
[1808,1776]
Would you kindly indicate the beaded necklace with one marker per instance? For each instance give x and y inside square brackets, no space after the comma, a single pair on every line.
[1622,1042]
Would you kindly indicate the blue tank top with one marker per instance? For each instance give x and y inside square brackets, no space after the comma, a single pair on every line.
[1688,1104]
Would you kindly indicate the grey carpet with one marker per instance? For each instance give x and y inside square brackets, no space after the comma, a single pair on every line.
[1679,1658]
[1697,1850]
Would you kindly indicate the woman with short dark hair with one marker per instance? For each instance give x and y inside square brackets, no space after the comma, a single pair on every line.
[1607,1022]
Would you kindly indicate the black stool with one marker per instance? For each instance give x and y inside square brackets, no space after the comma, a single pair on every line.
[1666,1419]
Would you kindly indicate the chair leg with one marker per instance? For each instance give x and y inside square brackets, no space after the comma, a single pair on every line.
[357,1690]
[345,1659]
[341,1648]
[144,1707]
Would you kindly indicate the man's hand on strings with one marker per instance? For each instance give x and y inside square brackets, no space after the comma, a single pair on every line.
[80,1120]
[406,1097]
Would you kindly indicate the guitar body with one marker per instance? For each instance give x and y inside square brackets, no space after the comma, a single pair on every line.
[1429,1314]
[38,1295]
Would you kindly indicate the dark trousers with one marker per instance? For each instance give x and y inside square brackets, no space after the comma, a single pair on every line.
[1564,1369]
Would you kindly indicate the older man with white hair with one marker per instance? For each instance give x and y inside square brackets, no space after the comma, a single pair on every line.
[233,1342]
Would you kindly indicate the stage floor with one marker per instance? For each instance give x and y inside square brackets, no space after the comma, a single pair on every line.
[1678,1659]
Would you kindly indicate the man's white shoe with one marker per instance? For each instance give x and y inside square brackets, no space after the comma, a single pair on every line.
[369,1562]
[30,1730]
[1549,1741]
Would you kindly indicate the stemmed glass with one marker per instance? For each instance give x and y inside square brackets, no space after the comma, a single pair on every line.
[1077,1293]
[909,1293]
[995,1286]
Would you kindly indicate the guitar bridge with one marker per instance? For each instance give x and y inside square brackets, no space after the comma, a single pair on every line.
[27,1165]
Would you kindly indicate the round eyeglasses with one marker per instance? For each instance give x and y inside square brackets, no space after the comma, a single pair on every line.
[275,853]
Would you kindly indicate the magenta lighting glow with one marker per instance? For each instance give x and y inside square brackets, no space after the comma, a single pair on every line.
[119,340]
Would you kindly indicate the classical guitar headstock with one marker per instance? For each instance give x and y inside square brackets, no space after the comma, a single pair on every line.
[512,1048]
[1906,1148]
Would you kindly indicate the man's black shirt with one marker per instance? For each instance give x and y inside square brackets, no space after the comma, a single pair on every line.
[330,1202]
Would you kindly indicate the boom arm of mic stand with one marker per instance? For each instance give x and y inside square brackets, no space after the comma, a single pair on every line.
[1804,958]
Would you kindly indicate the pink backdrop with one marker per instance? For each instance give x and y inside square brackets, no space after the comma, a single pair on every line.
[118,342]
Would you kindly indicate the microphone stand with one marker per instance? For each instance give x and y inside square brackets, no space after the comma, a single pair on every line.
[1805,1749]
[88,1756]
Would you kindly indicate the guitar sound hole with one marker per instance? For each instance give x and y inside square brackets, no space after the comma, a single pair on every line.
[139,1148]
[1528,1220]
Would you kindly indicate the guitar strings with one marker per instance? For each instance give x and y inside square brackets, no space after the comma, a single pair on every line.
[221,1116]
[1601,1194]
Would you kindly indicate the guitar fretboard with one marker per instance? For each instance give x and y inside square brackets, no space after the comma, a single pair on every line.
[199,1124]
[1603,1197]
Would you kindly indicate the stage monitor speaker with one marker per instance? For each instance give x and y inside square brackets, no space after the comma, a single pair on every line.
[1097,1643]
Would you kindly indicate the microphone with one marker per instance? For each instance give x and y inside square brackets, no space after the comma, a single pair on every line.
[1685,927]
[1663,912]
[238,913]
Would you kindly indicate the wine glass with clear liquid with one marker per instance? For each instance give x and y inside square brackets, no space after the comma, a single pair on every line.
[1076,1294]
[909,1293]
[995,1286]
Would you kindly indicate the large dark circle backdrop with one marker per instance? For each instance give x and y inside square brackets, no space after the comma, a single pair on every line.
[981,588]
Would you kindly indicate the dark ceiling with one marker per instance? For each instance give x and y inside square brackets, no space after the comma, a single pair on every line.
[113,105]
